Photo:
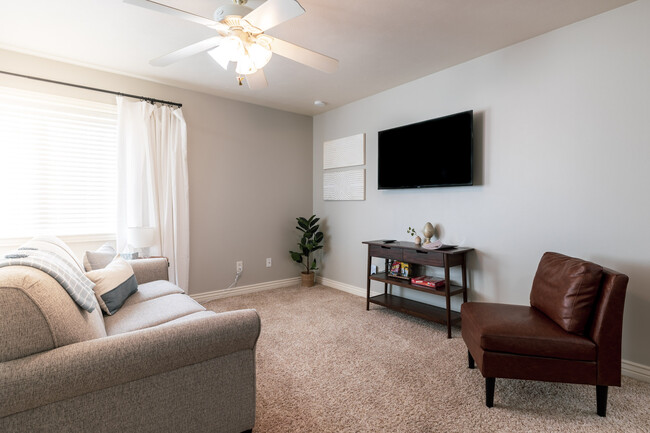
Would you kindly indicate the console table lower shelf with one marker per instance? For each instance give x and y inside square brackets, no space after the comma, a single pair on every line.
[415,308]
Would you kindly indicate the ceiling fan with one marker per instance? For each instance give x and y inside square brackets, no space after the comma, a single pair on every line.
[241,38]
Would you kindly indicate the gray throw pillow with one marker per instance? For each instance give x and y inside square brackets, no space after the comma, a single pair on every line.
[99,258]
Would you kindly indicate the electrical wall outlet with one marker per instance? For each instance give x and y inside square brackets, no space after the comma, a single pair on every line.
[240,266]
[268,262]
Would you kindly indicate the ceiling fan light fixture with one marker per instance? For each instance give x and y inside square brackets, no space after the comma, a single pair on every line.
[245,66]
[231,49]
[220,56]
[234,48]
[260,53]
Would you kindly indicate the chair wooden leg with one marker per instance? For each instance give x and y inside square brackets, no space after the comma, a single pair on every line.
[470,360]
[601,400]
[489,391]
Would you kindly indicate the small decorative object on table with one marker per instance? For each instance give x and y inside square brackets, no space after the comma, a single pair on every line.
[438,245]
[428,233]
[412,232]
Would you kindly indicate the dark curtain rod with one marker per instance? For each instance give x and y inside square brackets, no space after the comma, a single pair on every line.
[144,98]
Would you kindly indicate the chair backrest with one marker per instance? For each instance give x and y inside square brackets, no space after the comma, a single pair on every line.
[606,328]
[565,289]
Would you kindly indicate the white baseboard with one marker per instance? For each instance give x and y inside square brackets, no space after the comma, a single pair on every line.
[635,371]
[628,368]
[345,287]
[235,291]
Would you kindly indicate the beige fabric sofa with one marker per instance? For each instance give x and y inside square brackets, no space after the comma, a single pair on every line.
[162,363]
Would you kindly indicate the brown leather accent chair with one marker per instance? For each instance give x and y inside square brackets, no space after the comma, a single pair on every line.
[570,333]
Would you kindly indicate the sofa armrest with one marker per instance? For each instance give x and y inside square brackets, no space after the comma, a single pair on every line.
[150,269]
[93,365]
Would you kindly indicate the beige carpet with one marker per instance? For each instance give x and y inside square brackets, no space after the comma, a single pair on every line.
[325,364]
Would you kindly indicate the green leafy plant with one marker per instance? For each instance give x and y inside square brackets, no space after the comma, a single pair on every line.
[311,240]
[411,231]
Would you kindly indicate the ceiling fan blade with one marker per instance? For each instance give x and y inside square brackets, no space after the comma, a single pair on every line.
[159,7]
[257,80]
[188,51]
[273,12]
[304,56]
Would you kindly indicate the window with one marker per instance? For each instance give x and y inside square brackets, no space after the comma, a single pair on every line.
[58,166]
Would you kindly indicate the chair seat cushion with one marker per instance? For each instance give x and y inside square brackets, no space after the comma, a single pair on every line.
[522,330]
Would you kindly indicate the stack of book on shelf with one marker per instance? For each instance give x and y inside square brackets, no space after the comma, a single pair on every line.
[426,281]
[399,270]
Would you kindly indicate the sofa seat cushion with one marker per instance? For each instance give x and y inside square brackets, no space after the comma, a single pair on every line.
[522,330]
[190,317]
[152,290]
[151,313]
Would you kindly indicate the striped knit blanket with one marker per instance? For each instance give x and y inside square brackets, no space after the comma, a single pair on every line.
[71,278]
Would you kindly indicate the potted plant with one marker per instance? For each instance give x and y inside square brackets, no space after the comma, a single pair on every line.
[310,241]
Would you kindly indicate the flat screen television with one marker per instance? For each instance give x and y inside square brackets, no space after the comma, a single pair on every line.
[433,153]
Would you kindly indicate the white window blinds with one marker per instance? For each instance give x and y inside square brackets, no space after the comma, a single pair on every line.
[58,165]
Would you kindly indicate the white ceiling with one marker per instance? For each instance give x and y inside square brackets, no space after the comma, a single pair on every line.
[380,43]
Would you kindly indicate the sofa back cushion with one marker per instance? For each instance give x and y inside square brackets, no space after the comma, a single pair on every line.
[37,314]
[565,289]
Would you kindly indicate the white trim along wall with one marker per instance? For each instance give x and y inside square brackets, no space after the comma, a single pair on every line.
[243,290]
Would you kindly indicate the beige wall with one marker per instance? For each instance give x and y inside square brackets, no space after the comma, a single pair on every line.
[562,131]
[250,171]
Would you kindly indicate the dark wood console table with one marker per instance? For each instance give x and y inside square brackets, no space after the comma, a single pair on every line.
[410,253]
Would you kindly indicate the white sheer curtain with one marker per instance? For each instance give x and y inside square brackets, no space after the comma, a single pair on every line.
[152,183]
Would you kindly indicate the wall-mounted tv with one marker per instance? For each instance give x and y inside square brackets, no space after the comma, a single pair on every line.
[433,153]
